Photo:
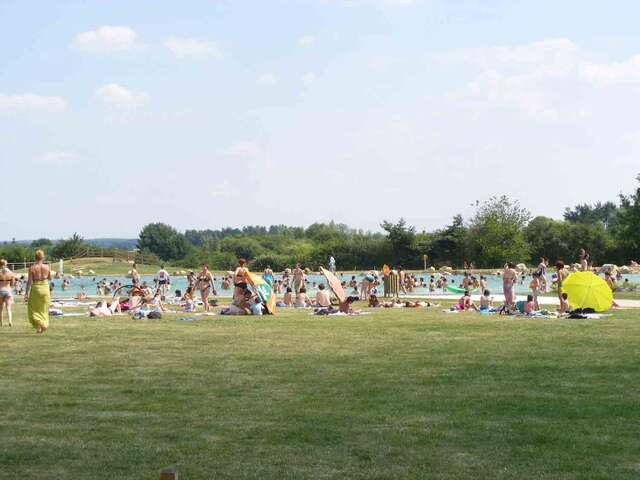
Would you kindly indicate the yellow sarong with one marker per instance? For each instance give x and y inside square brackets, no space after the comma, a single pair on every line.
[38,306]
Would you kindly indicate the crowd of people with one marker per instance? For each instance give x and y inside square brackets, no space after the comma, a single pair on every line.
[142,299]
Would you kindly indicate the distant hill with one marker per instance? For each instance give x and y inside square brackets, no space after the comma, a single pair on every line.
[122,243]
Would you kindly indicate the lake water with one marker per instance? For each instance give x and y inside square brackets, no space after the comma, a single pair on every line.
[494,283]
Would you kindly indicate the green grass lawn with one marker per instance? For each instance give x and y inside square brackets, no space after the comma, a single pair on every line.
[394,394]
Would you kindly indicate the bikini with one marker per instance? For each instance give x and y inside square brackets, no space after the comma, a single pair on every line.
[242,285]
[206,280]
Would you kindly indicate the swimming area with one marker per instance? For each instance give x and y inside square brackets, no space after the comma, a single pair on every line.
[494,284]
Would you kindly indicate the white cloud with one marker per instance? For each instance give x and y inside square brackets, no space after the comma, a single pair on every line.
[245,149]
[266,79]
[550,79]
[307,41]
[617,72]
[309,78]
[192,47]
[115,95]
[556,53]
[59,158]
[29,102]
[107,39]
[378,3]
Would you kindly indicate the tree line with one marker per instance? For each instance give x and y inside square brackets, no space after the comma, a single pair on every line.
[499,231]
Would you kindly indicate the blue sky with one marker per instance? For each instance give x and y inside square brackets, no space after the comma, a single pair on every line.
[205,114]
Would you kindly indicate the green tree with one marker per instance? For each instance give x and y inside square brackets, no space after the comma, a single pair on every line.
[627,229]
[164,241]
[591,236]
[496,233]
[242,247]
[71,247]
[15,253]
[401,240]
[448,246]
[42,243]
[604,213]
[546,238]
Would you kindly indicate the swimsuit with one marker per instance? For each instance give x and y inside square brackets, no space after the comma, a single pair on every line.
[205,280]
[6,293]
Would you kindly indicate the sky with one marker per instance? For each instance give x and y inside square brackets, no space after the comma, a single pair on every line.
[205,114]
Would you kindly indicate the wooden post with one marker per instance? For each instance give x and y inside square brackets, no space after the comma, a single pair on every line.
[168,474]
[424,260]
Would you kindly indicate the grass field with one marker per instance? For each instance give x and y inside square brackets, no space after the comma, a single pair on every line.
[394,394]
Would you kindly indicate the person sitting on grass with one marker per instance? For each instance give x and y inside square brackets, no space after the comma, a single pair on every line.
[373,301]
[466,303]
[104,309]
[345,307]
[529,305]
[302,299]
[256,306]
[486,301]
[322,298]
[189,303]
[611,281]
[288,298]
[241,305]
[155,303]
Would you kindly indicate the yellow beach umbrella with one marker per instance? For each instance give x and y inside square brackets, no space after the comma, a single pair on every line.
[587,290]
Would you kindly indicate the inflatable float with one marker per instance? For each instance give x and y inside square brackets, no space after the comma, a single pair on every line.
[454,289]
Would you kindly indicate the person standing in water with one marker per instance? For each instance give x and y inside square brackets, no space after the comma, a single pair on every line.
[163,280]
[332,264]
[268,275]
[403,280]
[584,260]
[135,276]
[509,277]
[7,282]
[38,295]
[542,273]
[240,280]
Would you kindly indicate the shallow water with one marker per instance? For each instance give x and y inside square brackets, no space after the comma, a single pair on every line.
[88,284]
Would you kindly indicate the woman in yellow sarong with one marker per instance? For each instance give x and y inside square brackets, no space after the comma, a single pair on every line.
[38,295]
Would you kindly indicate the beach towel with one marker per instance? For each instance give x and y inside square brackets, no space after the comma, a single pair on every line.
[38,306]
[341,314]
